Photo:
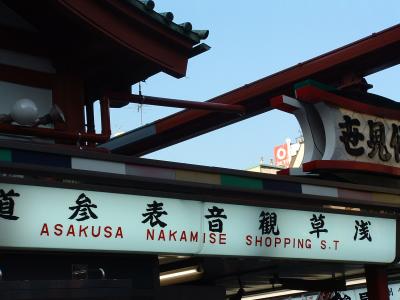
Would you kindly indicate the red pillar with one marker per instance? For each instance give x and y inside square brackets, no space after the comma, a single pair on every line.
[377,283]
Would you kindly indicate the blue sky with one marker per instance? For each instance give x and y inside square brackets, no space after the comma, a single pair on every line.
[250,40]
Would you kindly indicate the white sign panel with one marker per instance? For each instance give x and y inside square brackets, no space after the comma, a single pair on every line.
[33,217]
[359,137]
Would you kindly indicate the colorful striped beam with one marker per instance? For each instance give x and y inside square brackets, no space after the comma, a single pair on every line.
[253,181]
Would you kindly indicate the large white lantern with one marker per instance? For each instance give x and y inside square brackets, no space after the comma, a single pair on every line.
[25,112]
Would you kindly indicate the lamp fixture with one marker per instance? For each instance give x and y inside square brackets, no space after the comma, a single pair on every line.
[55,115]
[181,275]
[356,281]
[273,294]
[25,112]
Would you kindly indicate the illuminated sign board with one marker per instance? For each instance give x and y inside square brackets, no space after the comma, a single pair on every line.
[48,218]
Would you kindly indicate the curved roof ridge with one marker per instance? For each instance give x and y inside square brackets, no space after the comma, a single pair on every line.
[166,18]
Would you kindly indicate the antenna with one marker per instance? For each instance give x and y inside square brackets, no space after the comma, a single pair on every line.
[140,106]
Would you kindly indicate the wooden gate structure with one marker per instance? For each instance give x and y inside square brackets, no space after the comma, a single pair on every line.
[82,216]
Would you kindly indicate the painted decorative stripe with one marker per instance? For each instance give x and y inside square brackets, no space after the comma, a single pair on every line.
[353,194]
[387,198]
[150,172]
[292,172]
[5,155]
[39,158]
[317,84]
[97,165]
[198,177]
[241,182]
[56,160]
[319,190]
[277,185]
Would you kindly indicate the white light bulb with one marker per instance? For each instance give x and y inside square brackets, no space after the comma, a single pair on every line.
[25,112]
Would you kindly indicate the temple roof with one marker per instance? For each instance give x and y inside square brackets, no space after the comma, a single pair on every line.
[112,44]
[166,19]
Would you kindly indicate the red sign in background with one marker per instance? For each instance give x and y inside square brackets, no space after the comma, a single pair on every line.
[282,156]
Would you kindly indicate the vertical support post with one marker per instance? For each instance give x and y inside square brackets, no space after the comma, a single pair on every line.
[90,117]
[377,283]
[68,94]
[105,116]
[90,121]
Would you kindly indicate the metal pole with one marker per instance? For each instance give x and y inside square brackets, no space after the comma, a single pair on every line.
[227,108]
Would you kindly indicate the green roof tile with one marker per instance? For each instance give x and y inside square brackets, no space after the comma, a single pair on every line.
[147,6]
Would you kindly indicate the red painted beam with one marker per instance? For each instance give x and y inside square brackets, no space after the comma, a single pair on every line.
[313,95]
[148,100]
[366,56]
